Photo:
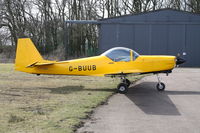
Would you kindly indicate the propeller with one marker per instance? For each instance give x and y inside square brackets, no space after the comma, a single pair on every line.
[180,60]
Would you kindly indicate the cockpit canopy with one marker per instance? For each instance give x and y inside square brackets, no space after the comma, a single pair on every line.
[121,54]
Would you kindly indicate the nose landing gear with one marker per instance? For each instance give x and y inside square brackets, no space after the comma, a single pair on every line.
[160,86]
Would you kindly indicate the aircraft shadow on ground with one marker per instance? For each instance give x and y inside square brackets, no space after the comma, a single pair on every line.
[71,89]
[65,89]
[147,87]
[150,101]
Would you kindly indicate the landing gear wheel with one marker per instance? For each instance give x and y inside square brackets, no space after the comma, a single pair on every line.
[127,82]
[122,88]
[160,86]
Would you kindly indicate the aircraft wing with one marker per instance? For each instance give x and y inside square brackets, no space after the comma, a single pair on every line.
[135,72]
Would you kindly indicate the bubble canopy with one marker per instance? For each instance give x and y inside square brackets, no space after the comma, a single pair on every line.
[118,54]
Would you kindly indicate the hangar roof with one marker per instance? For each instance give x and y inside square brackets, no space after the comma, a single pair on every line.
[161,15]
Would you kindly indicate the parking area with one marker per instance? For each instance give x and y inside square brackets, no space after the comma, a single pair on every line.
[144,109]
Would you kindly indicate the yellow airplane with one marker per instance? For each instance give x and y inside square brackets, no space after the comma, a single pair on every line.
[117,61]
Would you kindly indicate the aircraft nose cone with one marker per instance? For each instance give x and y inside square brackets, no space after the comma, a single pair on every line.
[180,61]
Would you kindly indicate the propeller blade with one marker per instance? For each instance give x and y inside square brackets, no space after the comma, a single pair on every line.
[180,60]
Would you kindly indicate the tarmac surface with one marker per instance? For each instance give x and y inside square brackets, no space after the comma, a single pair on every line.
[145,110]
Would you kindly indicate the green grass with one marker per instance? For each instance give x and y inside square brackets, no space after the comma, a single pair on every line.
[48,104]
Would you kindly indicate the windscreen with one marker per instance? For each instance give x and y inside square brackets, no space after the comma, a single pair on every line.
[118,54]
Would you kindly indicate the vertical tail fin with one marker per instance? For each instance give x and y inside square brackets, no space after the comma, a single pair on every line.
[26,54]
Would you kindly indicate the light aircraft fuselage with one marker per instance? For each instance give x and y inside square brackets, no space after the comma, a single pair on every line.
[29,60]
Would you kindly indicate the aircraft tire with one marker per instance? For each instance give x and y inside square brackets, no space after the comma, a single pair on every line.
[122,88]
[127,82]
[160,87]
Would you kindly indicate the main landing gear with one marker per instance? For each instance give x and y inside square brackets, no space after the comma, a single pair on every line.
[160,86]
[123,86]
[125,83]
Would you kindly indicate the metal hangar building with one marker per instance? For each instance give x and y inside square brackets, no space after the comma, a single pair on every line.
[160,32]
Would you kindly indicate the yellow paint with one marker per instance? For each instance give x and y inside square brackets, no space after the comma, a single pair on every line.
[29,60]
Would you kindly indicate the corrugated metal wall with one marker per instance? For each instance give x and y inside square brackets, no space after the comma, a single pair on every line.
[163,32]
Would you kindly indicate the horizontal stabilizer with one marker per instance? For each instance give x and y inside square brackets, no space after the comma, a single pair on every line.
[45,63]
